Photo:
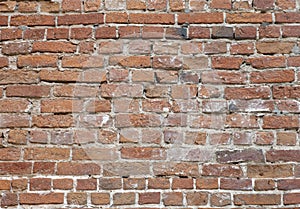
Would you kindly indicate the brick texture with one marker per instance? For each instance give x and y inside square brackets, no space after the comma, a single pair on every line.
[129,104]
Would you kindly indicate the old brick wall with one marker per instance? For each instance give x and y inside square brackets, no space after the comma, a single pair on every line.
[149,104]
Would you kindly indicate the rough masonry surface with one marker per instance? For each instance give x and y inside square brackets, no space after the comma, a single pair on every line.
[149,104]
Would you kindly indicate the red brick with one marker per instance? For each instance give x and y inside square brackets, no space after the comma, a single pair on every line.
[10,34]
[86,184]
[44,167]
[269,31]
[28,91]
[32,20]
[37,199]
[267,62]
[17,136]
[136,5]
[245,17]
[53,121]
[59,76]
[274,76]
[242,48]
[288,184]
[17,168]
[4,62]
[236,120]
[274,47]
[245,32]
[16,48]
[19,184]
[152,32]
[222,32]
[73,168]
[71,5]
[100,198]
[46,153]
[63,184]
[131,61]
[82,61]
[264,138]
[233,63]
[264,184]
[286,4]
[37,61]
[129,32]
[291,31]
[9,199]
[182,183]
[57,33]
[51,7]
[207,183]
[291,17]
[247,92]
[223,77]
[220,199]
[276,122]
[110,183]
[157,5]
[149,198]
[177,169]
[222,170]
[27,7]
[4,20]
[106,32]
[143,153]
[77,198]
[14,105]
[158,183]
[197,198]
[10,154]
[205,18]
[40,184]
[54,47]
[177,5]
[61,106]
[8,6]
[236,184]
[282,156]
[246,155]
[270,171]
[286,138]
[264,4]
[16,121]
[145,18]
[216,47]
[124,198]
[172,199]
[293,61]
[77,19]
[199,32]
[291,198]
[81,33]
[220,4]
[134,183]
[257,199]
[34,34]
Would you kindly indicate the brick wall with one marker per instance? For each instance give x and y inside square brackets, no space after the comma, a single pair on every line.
[149,104]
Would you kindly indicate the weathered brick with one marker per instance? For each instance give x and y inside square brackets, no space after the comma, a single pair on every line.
[32,20]
[257,199]
[28,91]
[37,61]
[269,171]
[77,19]
[37,199]
[247,17]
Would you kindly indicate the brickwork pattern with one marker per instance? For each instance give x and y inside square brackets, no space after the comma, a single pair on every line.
[149,104]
